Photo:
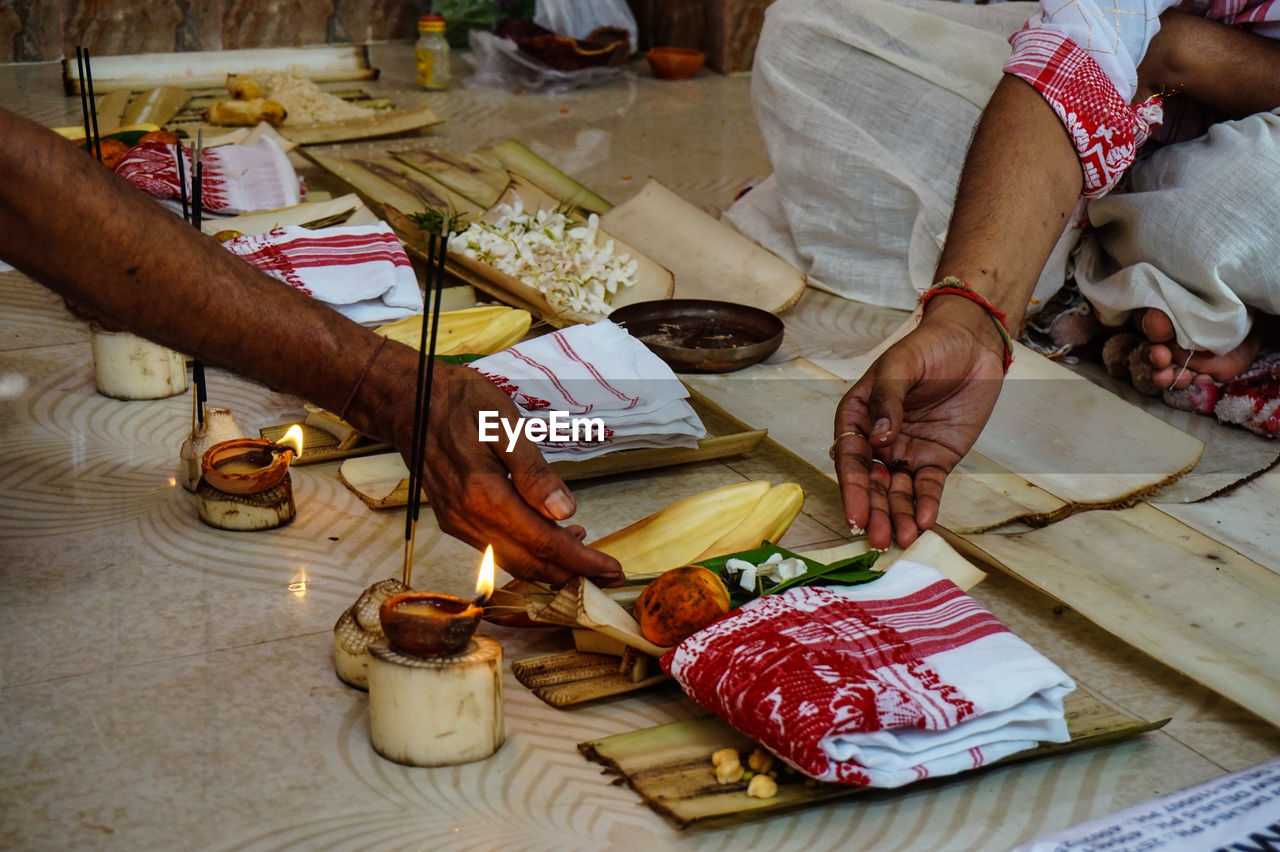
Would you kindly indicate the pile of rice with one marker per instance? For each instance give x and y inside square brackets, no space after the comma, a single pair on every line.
[307,103]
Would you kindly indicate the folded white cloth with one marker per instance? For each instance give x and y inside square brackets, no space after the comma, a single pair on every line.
[879,685]
[234,178]
[596,370]
[361,270]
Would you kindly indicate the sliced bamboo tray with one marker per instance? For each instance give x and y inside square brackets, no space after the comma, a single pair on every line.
[669,766]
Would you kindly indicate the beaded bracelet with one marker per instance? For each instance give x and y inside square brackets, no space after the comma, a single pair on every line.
[368,365]
[952,286]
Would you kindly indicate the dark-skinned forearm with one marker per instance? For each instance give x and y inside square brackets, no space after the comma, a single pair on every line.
[1020,183]
[72,225]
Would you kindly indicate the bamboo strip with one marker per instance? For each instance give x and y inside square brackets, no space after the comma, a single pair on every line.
[111,109]
[479,184]
[379,123]
[669,766]
[375,190]
[710,260]
[321,445]
[1054,446]
[382,481]
[155,106]
[562,667]
[305,215]
[578,692]
[209,69]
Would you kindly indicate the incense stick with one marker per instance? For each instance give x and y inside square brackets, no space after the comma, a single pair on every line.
[197,185]
[434,287]
[182,181]
[199,389]
[93,106]
[84,99]
[201,392]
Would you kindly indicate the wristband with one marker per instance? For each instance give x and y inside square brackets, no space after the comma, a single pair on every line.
[952,286]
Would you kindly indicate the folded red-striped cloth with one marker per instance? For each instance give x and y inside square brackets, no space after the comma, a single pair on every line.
[361,270]
[234,178]
[589,372]
[879,685]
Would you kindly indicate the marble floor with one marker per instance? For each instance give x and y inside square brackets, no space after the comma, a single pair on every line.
[168,685]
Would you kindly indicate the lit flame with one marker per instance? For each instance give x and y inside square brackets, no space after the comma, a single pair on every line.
[484,585]
[292,439]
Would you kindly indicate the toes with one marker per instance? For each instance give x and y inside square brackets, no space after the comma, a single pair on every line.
[1221,368]
[1158,355]
[1156,325]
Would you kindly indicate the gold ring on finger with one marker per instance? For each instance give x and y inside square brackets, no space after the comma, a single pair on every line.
[854,433]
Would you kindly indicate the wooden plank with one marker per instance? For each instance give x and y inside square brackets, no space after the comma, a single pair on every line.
[670,765]
[1189,601]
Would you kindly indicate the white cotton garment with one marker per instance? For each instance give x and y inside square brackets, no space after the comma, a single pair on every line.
[867,108]
[596,371]
[1194,235]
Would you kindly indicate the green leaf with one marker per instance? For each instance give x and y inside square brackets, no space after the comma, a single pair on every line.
[847,572]
[458,359]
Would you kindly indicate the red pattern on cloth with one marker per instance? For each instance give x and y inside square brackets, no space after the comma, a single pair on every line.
[361,271]
[1251,400]
[1238,12]
[794,669]
[1105,131]
[283,260]
[234,178]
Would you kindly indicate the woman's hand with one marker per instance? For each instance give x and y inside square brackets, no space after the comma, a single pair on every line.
[910,418]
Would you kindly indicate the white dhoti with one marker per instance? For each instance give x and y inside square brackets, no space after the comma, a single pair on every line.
[1194,235]
[867,108]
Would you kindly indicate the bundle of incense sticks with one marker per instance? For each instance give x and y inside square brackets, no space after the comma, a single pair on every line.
[438,250]
[194,214]
[88,104]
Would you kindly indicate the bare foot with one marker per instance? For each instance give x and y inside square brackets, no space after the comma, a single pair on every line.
[1175,368]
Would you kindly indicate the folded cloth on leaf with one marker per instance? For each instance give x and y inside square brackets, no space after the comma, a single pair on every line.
[595,371]
[234,178]
[880,684]
[361,270]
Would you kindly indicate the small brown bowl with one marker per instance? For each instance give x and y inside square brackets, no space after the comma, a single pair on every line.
[702,335]
[423,624]
[263,465]
[675,63]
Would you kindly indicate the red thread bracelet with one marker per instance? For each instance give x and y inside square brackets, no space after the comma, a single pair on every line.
[952,286]
[368,365]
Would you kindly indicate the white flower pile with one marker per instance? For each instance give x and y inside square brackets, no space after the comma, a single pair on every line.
[774,568]
[547,251]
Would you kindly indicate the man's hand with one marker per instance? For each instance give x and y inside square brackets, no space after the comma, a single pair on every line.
[484,495]
[921,406]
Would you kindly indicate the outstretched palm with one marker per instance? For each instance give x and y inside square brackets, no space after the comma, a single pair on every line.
[906,423]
